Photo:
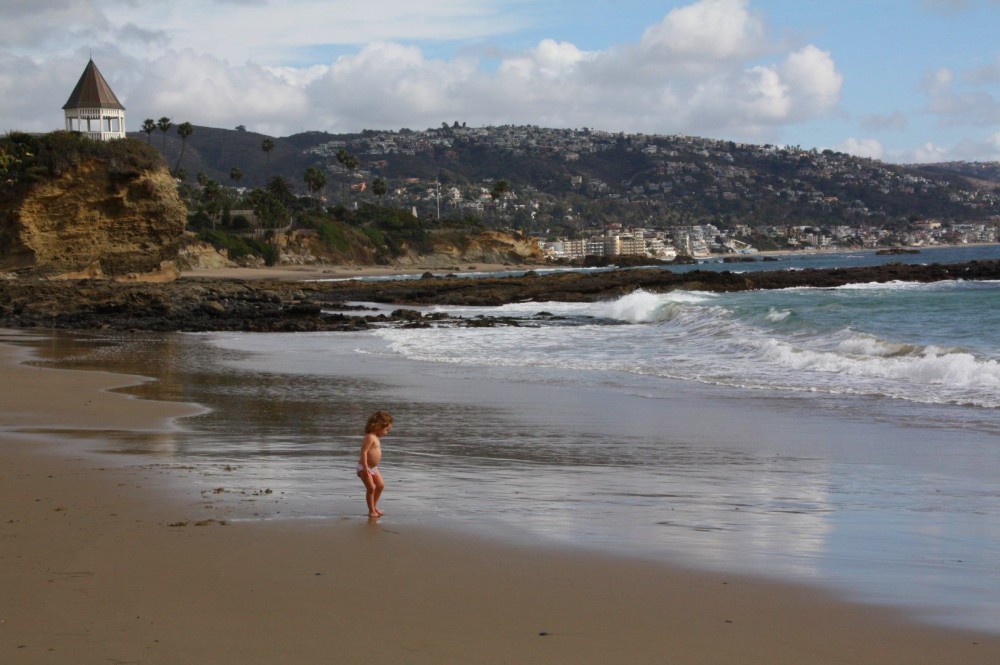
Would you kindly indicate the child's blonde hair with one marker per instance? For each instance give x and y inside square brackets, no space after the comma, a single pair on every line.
[377,421]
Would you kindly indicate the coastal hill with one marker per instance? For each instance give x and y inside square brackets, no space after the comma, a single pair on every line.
[569,178]
[69,203]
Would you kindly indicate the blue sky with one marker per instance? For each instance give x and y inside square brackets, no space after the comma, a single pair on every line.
[898,80]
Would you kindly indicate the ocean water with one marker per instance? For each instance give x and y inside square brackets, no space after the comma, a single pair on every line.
[847,438]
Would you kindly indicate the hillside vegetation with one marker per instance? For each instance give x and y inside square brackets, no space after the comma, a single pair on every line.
[569,179]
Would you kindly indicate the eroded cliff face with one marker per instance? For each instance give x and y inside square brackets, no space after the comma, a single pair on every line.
[304,247]
[64,224]
[494,247]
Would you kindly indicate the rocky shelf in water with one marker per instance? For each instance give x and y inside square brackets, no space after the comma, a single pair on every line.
[200,304]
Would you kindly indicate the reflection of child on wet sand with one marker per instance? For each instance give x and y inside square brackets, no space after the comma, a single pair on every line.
[378,426]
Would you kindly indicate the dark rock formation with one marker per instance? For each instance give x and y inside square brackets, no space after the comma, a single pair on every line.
[896,251]
[192,304]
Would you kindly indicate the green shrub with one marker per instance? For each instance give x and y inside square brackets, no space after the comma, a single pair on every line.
[199,221]
[270,254]
[376,236]
[334,237]
[237,247]
[57,152]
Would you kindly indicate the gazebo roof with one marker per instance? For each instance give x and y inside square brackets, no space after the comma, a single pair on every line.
[92,91]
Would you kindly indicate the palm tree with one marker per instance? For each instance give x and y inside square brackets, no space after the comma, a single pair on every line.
[380,187]
[348,160]
[164,125]
[500,187]
[281,189]
[315,181]
[149,126]
[267,145]
[236,173]
[270,212]
[184,130]
[211,199]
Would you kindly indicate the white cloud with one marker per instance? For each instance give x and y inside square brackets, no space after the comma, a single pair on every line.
[813,80]
[715,30]
[938,81]
[929,152]
[870,148]
[959,106]
[983,148]
[207,91]
[707,68]
[549,60]
[284,32]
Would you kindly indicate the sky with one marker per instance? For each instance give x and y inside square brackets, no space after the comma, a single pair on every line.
[902,81]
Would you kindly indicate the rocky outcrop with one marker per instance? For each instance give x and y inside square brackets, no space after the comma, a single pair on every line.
[197,254]
[88,218]
[589,287]
[493,247]
[201,304]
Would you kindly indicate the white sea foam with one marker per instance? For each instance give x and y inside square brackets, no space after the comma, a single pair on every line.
[878,367]
[777,316]
[637,307]
[726,339]
[861,345]
[894,285]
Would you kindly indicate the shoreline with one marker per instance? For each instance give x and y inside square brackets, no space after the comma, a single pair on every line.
[266,302]
[102,569]
[344,272]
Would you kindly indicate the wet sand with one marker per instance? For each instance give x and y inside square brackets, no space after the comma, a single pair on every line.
[105,560]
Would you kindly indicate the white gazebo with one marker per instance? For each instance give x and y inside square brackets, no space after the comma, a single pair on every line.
[93,108]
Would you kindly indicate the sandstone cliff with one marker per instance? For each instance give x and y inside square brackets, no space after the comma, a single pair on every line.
[486,247]
[445,250]
[87,214]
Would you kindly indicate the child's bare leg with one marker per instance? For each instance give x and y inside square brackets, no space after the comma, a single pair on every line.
[379,486]
[370,496]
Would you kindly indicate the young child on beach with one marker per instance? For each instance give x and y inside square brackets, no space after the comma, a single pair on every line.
[379,424]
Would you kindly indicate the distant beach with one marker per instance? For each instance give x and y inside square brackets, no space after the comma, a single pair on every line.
[311,272]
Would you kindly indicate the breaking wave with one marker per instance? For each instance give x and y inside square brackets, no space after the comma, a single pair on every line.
[803,341]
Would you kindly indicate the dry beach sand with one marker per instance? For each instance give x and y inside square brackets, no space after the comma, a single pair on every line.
[104,560]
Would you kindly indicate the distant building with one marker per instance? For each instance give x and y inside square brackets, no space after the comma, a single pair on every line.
[575,249]
[631,246]
[93,109]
